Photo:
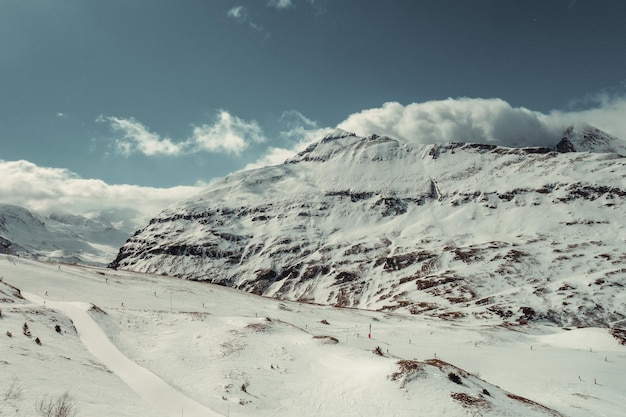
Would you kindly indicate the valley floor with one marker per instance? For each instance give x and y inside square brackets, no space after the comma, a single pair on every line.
[209,350]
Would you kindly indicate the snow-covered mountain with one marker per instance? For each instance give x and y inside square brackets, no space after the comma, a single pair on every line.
[451,231]
[60,237]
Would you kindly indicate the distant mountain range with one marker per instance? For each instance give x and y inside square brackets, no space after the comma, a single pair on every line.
[64,238]
[448,230]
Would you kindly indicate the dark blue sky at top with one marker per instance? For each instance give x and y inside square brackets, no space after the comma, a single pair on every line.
[172,64]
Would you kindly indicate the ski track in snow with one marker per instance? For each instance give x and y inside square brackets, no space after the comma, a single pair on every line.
[156,392]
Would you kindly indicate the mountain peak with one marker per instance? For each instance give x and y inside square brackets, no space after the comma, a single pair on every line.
[590,139]
[338,133]
[331,144]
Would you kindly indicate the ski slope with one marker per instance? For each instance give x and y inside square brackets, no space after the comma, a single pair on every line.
[150,387]
[237,354]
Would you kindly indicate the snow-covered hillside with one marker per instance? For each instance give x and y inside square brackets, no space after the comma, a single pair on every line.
[67,238]
[451,231]
[128,344]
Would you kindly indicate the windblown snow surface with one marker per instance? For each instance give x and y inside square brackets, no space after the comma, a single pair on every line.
[211,350]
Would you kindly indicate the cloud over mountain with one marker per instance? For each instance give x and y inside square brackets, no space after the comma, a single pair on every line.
[479,120]
[48,190]
[463,119]
[607,113]
[452,120]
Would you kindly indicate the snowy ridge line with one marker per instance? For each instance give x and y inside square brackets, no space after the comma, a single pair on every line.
[156,392]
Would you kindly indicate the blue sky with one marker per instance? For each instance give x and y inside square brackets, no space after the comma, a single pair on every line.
[174,93]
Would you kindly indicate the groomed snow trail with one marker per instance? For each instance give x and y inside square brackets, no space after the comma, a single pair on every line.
[160,395]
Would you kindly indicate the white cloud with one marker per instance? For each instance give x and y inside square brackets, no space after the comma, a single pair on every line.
[293,118]
[481,120]
[46,190]
[229,134]
[137,138]
[281,4]
[319,6]
[238,13]
[453,120]
[299,131]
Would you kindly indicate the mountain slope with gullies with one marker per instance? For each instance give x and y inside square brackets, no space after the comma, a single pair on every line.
[447,230]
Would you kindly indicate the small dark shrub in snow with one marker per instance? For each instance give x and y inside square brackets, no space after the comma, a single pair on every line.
[63,406]
[455,378]
[258,327]
[327,339]
[407,367]
[14,392]
[408,371]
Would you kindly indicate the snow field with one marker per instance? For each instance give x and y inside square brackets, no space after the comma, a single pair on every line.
[30,373]
[208,342]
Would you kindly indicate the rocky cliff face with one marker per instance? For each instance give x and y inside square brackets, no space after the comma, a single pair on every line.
[449,231]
